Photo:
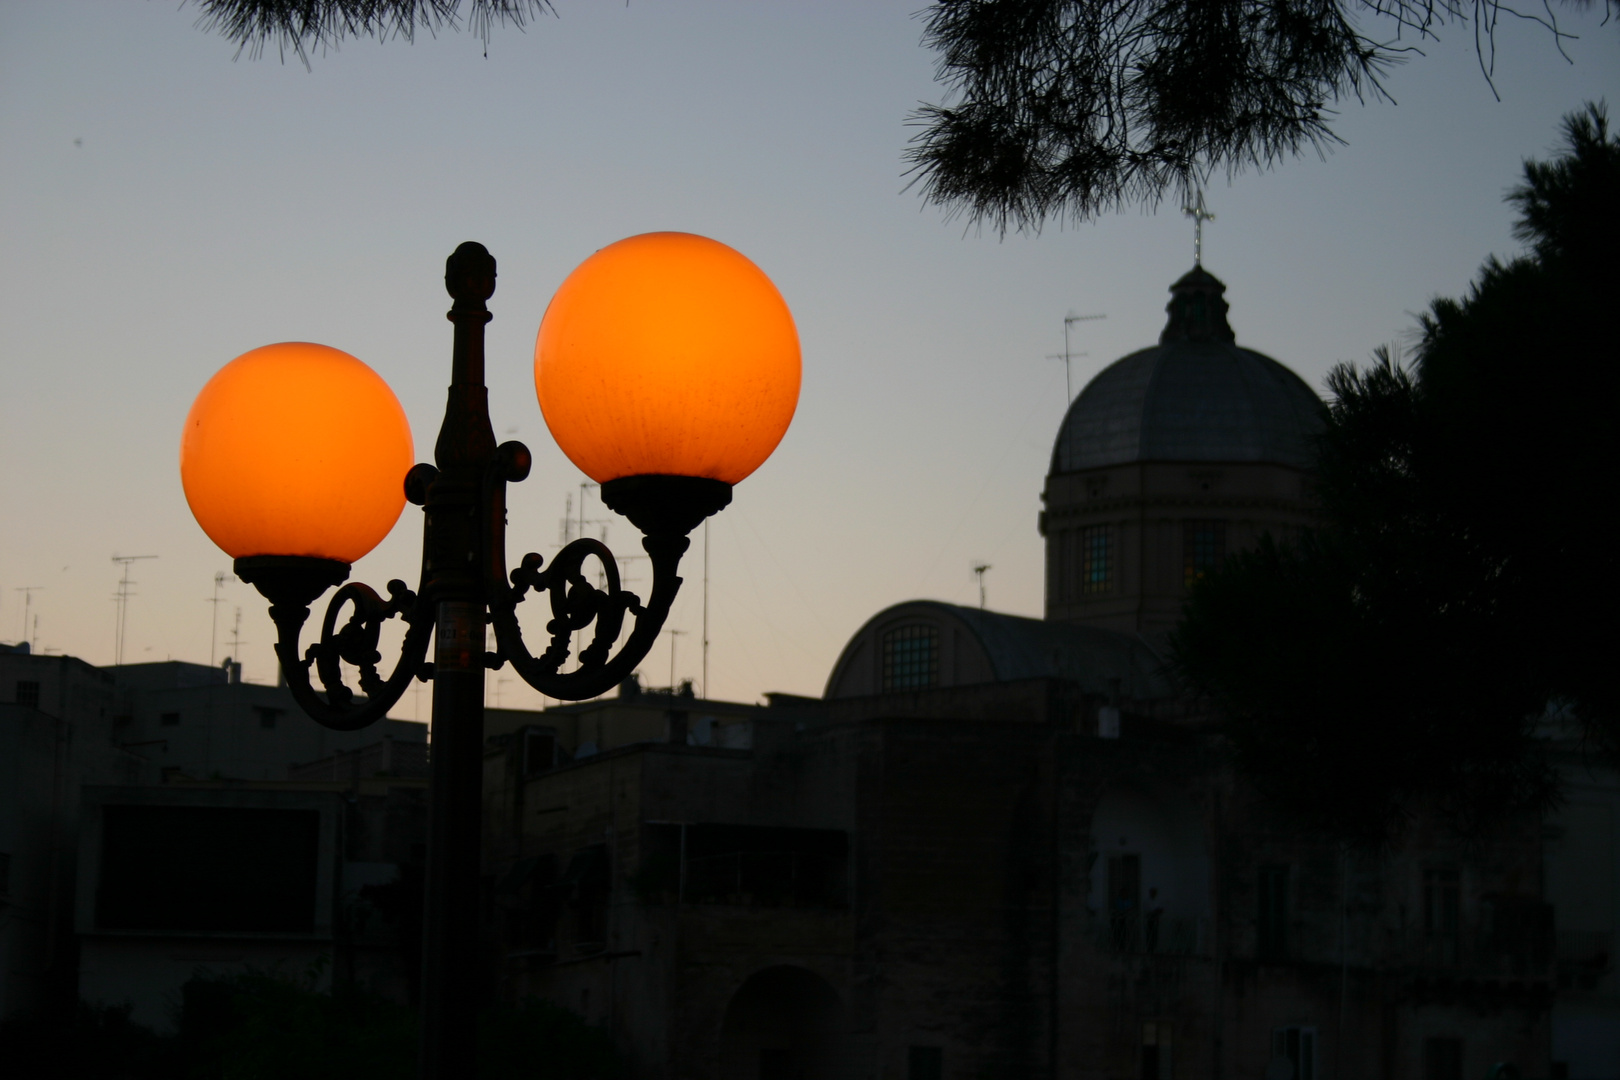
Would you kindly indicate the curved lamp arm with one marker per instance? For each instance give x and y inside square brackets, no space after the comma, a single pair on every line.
[291,583]
[666,509]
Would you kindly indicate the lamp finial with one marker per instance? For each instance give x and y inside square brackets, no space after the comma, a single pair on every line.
[469,274]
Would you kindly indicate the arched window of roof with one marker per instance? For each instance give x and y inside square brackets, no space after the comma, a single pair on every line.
[911,657]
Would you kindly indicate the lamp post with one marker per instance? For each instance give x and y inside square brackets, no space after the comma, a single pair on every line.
[667,368]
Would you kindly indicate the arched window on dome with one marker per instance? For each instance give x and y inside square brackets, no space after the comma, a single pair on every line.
[911,657]
[1096,560]
[1203,547]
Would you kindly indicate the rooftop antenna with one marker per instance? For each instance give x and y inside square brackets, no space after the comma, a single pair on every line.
[978,570]
[673,634]
[1067,356]
[213,634]
[583,488]
[572,525]
[705,608]
[28,592]
[121,598]
[1200,213]
[236,639]
[624,569]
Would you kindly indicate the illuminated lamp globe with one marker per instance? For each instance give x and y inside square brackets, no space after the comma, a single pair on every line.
[296,449]
[667,354]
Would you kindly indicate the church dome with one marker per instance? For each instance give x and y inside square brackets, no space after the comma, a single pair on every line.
[1196,396]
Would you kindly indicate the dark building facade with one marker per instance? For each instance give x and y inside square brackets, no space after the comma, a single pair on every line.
[158,778]
[1006,847]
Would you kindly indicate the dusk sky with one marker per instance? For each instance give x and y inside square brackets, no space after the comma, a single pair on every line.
[165,207]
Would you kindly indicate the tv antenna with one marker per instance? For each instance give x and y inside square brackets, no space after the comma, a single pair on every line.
[28,592]
[121,598]
[673,634]
[236,640]
[978,572]
[572,525]
[624,569]
[213,635]
[570,529]
[1067,355]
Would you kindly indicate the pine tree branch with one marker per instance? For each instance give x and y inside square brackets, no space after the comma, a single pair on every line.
[302,26]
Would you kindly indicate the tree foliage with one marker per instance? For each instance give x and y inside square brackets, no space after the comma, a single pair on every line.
[1461,584]
[275,1025]
[304,25]
[1069,108]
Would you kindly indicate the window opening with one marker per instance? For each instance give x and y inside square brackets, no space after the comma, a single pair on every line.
[268,715]
[1442,901]
[1202,549]
[539,750]
[1155,1051]
[1273,918]
[1124,900]
[925,1063]
[1296,1046]
[1442,1059]
[589,880]
[1442,904]
[778,1064]
[169,719]
[1096,562]
[28,694]
[208,869]
[910,658]
[742,865]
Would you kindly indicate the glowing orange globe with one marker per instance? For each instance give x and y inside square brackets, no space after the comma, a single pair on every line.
[667,354]
[296,449]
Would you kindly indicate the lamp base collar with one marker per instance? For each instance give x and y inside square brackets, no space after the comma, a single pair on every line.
[666,505]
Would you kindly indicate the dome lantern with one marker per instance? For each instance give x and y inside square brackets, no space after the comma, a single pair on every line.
[1197,309]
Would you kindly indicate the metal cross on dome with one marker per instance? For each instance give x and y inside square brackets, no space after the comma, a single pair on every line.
[1200,214]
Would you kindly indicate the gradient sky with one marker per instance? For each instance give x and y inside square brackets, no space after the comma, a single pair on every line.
[165,207]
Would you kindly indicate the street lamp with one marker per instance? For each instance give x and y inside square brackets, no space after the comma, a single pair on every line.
[667,368]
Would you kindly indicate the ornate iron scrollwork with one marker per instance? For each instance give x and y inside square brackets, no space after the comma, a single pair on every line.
[576,603]
[356,642]
[665,508]
[291,583]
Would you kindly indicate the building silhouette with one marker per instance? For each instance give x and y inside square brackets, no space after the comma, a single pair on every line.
[162,820]
[995,845]
[1002,846]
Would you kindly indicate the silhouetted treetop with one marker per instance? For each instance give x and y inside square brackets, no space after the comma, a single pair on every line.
[1069,108]
[1452,612]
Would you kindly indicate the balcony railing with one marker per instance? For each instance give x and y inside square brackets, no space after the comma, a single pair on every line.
[764,879]
[1153,935]
[1474,951]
